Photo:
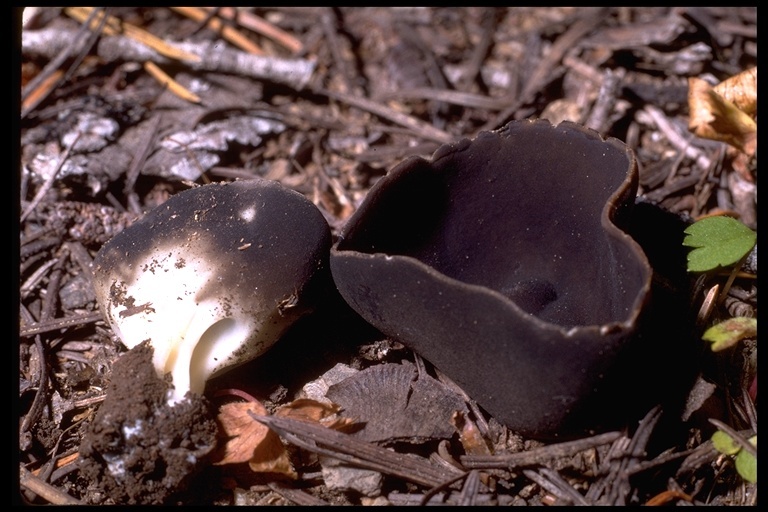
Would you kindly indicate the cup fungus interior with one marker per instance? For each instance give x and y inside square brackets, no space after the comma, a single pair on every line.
[529,211]
[502,260]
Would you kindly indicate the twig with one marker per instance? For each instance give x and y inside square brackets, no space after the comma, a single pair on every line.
[29,285]
[700,456]
[431,67]
[606,99]
[537,455]
[42,386]
[292,72]
[465,99]
[731,277]
[346,203]
[297,496]
[480,52]
[440,488]
[116,26]
[93,37]
[201,23]
[675,138]
[673,187]
[448,498]
[394,152]
[263,27]
[667,496]
[543,70]
[419,127]
[49,182]
[31,245]
[470,490]
[662,459]
[615,487]
[330,33]
[60,323]
[32,260]
[87,402]
[65,469]
[553,483]
[212,56]
[227,32]
[80,255]
[747,408]
[172,85]
[43,89]
[736,436]
[44,82]
[587,71]
[143,150]
[325,441]
[47,492]
[52,290]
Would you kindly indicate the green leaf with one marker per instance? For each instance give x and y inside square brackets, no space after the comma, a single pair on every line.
[746,463]
[729,332]
[717,242]
[725,443]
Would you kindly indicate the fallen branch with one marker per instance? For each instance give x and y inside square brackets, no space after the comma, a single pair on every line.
[214,56]
[319,439]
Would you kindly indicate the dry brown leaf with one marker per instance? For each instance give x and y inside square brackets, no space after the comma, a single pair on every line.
[741,90]
[742,164]
[250,441]
[270,456]
[469,435]
[242,432]
[713,117]
[307,409]
[406,408]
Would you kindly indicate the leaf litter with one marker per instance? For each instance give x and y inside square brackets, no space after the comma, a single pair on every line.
[343,124]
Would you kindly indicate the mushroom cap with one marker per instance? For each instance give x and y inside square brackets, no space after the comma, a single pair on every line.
[502,262]
[214,276]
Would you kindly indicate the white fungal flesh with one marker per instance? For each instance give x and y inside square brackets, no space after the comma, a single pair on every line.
[193,337]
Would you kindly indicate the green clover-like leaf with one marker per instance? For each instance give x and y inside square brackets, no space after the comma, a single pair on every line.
[717,242]
[725,443]
[746,463]
[729,332]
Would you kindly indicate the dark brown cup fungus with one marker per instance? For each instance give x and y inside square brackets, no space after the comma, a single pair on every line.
[213,277]
[501,261]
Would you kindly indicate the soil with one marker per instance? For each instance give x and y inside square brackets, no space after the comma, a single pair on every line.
[140,449]
[103,138]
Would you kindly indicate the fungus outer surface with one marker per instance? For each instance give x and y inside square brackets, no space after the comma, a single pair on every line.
[501,261]
[213,276]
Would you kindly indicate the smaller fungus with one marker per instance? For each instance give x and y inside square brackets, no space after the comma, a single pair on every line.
[213,277]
